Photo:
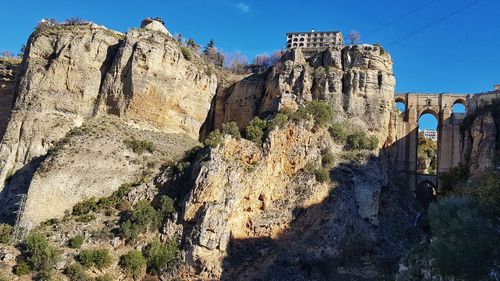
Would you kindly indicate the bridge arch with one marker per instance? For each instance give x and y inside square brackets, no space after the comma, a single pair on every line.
[426,192]
[449,141]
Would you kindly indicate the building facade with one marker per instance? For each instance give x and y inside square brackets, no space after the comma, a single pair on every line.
[313,39]
[431,134]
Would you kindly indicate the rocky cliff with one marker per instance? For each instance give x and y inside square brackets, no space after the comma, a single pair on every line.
[8,73]
[257,213]
[357,81]
[97,109]
[481,140]
[74,73]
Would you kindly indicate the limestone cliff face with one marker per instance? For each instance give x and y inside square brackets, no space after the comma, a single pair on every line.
[59,83]
[481,142]
[73,74]
[254,213]
[8,73]
[150,82]
[358,82]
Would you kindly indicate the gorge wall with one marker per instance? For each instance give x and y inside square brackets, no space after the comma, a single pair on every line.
[74,73]
[88,97]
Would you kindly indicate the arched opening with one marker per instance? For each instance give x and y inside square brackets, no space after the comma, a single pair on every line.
[459,107]
[426,193]
[401,106]
[427,144]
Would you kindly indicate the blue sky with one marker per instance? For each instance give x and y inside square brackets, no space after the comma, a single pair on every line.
[460,54]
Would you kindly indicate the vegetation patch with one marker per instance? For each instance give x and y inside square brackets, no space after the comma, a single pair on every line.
[134,264]
[38,256]
[142,218]
[76,242]
[6,231]
[140,146]
[463,242]
[100,258]
[255,130]
[161,256]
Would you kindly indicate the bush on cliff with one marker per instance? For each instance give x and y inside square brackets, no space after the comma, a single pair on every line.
[5,233]
[76,242]
[487,193]
[39,255]
[360,140]
[214,138]
[463,241]
[134,264]
[321,112]
[76,272]
[160,256]
[100,258]
[186,53]
[140,146]
[231,129]
[141,219]
[255,130]
[279,121]
[339,132]
[85,207]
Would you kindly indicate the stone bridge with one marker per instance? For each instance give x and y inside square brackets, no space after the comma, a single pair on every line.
[406,139]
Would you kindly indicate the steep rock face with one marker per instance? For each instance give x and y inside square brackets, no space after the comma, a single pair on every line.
[75,73]
[8,72]
[255,214]
[357,81]
[151,82]
[481,143]
[59,84]
[75,170]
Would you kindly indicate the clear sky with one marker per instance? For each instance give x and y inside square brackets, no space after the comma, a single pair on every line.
[460,54]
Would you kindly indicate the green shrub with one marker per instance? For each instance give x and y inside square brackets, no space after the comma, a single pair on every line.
[186,53]
[5,233]
[214,138]
[327,159]
[85,207]
[105,277]
[321,174]
[76,272]
[140,146]
[22,268]
[166,206]
[487,192]
[454,177]
[279,121]
[160,256]
[99,258]
[134,264]
[141,219]
[39,254]
[321,111]
[255,130]
[359,140]
[463,241]
[339,132]
[76,242]
[232,129]
[300,114]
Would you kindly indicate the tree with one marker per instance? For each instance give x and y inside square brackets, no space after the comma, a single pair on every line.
[192,44]
[210,46]
[134,264]
[463,241]
[6,54]
[236,62]
[179,38]
[353,36]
